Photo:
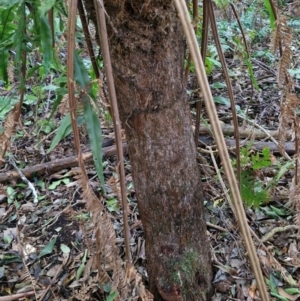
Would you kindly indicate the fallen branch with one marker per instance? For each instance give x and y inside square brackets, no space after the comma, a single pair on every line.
[17,296]
[289,147]
[54,166]
[270,234]
[252,133]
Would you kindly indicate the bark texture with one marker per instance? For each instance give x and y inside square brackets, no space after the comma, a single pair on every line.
[147,48]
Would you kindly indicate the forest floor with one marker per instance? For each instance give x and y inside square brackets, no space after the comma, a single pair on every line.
[43,246]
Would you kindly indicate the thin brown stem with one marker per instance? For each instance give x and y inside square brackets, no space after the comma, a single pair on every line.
[116,118]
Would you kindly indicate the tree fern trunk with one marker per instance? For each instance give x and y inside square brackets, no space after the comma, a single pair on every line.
[147,47]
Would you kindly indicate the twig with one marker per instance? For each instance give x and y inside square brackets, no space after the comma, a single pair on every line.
[225,190]
[115,116]
[30,185]
[17,296]
[278,229]
[208,224]
[266,132]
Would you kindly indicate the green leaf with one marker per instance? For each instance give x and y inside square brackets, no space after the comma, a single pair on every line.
[218,85]
[4,55]
[19,34]
[48,249]
[46,5]
[65,249]
[269,212]
[6,259]
[32,70]
[273,286]
[81,75]
[279,297]
[6,105]
[283,169]
[64,129]
[252,190]
[8,238]
[278,211]
[82,266]
[11,193]
[94,133]
[112,296]
[54,184]
[9,3]
[46,43]
[113,205]
[250,70]
[259,161]
[222,100]
[292,290]
[271,13]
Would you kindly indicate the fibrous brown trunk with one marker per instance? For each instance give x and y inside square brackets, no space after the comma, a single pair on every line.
[147,48]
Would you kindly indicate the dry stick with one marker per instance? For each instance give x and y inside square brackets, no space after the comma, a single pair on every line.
[278,229]
[221,181]
[17,296]
[244,39]
[210,106]
[266,132]
[57,165]
[229,87]
[70,75]
[203,54]
[264,66]
[115,116]
[208,224]
[29,184]
[88,38]
[71,88]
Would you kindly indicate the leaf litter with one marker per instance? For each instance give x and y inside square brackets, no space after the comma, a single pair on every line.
[45,248]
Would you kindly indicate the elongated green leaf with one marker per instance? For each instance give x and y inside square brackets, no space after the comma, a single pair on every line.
[112,296]
[94,132]
[64,129]
[19,34]
[82,266]
[31,71]
[48,249]
[292,290]
[46,43]
[271,14]
[46,5]
[5,105]
[9,3]
[250,70]
[273,286]
[279,297]
[81,75]
[222,100]
[278,211]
